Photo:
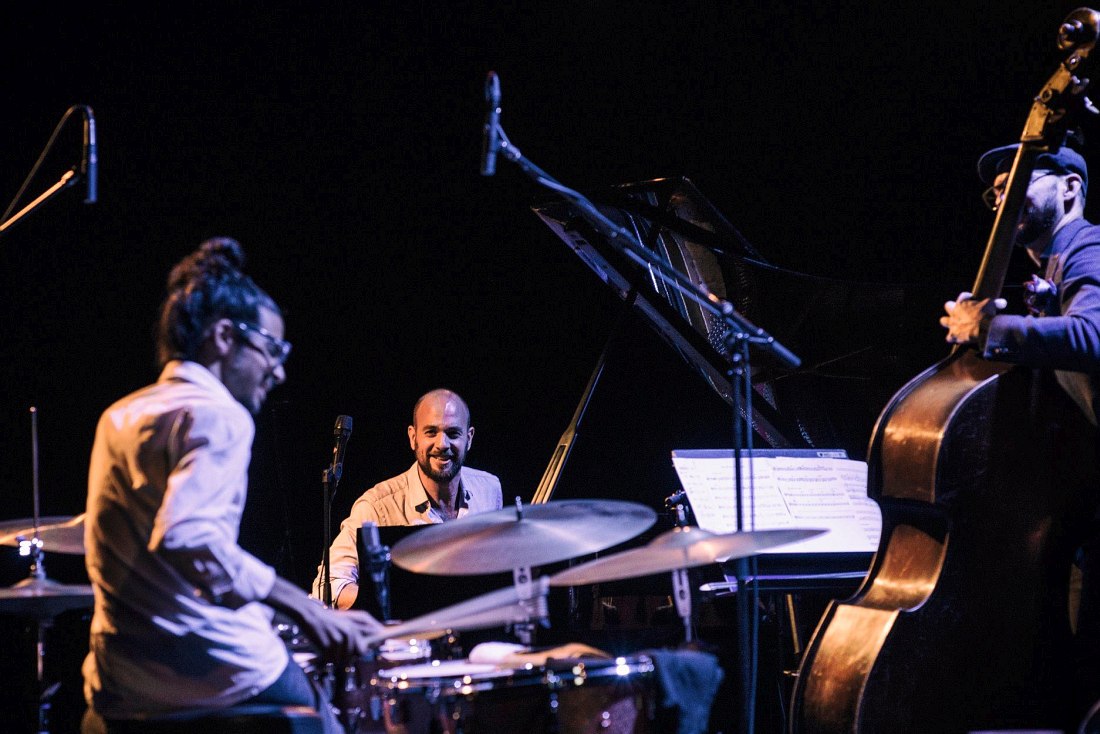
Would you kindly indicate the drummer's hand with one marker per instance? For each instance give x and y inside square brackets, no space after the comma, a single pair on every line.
[337,634]
[965,317]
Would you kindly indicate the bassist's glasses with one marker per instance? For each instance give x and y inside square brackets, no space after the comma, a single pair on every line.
[995,193]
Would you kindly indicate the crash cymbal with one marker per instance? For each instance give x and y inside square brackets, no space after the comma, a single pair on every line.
[492,542]
[678,548]
[58,534]
[43,598]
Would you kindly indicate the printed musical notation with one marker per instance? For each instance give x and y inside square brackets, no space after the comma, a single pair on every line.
[815,489]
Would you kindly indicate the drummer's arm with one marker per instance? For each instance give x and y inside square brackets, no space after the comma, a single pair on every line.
[190,533]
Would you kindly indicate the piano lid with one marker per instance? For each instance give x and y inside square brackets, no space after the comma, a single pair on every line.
[853,337]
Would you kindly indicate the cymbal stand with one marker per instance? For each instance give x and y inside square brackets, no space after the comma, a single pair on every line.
[525,590]
[676,503]
[33,547]
[681,594]
[524,631]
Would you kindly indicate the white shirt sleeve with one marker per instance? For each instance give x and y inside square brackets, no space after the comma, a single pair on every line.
[196,527]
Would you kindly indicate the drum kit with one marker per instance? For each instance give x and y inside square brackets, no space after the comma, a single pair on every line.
[575,694]
[38,597]
[401,690]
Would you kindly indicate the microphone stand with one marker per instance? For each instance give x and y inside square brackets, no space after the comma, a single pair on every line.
[70,178]
[745,568]
[624,241]
[330,479]
[742,334]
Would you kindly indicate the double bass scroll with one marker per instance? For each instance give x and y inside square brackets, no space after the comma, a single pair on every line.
[962,622]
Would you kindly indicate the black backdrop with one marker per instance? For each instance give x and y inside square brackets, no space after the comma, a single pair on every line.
[340,144]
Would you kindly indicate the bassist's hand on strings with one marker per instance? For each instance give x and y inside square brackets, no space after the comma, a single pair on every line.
[967,319]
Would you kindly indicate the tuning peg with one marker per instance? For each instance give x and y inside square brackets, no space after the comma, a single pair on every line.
[1079,29]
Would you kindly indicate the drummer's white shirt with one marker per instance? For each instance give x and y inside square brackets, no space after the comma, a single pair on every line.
[177,622]
[400,500]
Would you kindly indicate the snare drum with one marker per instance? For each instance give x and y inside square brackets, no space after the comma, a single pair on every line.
[405,650]
[578,696]
[349,686]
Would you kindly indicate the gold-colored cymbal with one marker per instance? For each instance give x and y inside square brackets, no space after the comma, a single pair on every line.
[679,548]
[492,542]
[43,598]
[59,534]
[7,527]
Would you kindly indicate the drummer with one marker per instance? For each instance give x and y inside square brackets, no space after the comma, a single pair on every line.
[183,614]
[435,489]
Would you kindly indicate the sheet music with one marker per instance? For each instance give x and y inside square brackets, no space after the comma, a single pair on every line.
[810,490]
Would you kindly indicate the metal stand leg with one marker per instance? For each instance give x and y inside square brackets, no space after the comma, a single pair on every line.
[681,589]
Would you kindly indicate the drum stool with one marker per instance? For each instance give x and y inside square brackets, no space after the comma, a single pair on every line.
[243,719]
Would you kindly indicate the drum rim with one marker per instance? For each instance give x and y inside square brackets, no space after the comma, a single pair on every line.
[555,674]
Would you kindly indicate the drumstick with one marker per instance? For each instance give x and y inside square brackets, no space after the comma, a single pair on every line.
[496,608]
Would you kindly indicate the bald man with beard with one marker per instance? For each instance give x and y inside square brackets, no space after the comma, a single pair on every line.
[438,487]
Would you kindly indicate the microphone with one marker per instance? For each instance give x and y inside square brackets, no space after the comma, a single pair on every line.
[89,160]
[341,433]
[491,139]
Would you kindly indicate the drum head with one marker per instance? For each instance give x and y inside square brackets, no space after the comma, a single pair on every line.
[405,650]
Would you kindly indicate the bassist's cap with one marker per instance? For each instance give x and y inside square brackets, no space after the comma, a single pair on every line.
[1065,160]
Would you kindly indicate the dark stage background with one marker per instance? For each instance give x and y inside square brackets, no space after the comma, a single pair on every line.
[340,144]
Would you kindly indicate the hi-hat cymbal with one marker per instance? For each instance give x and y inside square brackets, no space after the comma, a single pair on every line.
[58,534]
[679,548]
[492,542]
[43,598]
[8,527]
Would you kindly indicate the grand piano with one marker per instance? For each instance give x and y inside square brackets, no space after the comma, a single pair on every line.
[857,341]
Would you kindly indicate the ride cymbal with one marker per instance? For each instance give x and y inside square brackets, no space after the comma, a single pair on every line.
[679,548]
[534,535]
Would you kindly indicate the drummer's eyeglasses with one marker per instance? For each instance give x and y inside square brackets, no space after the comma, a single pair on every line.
[994,194]
[275,348]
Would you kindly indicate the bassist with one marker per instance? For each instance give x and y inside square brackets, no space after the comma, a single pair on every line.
[1061,332]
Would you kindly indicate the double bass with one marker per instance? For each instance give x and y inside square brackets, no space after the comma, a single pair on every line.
[979,468]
